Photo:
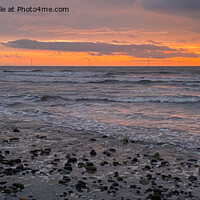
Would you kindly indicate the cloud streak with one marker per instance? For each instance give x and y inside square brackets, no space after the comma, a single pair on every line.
[100,48]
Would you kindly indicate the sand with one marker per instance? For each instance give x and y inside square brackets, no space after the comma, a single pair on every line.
[38,161]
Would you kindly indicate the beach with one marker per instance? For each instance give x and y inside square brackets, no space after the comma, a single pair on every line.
[99,133]
[40,162]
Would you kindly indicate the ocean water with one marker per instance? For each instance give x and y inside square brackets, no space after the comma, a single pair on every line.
[154,104]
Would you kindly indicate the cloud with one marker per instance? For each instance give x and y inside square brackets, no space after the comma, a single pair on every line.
[100,48]
[189,8]
[10,56]
[153,42]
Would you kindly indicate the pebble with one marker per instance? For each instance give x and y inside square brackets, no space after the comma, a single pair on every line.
[93,153]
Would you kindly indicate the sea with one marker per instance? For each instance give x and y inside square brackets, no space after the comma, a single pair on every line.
[152,104]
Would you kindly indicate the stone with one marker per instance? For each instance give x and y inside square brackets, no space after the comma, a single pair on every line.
[91,168]
[13,162]
[16,130]
[144,181]
[192,178]
[155,197]
[7,190]
[107,153]
[18,185]
[112,150]
[93,153]
[134,160]
[156,156]
[14,139]
[72,160]
[81,164]
[80,185]
[45,151]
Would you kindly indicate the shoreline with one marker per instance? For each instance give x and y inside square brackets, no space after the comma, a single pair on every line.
[41,162]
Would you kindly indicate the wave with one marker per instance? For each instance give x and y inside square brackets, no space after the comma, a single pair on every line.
[162,99]
[75,80]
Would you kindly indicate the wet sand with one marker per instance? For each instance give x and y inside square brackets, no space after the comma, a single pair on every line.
[41,162]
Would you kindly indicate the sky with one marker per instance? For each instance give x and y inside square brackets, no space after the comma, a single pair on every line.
[104,32]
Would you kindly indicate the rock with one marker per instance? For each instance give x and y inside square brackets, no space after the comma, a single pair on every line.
[68,167]
[119,178]
[104,163]
[7,190]
[166,177]
[80,185]
[125,141]
[134,160]
[115,163]
[144,181]
[154,162]
[13,162]
[72,160]
[23,198]
[65,180]
[192,178]
[93,153]
[91,168]
[35,152]
[107,153]
[157,192]
[81,164]
[112,150]
[16,130]
[149,176]
[45,151]
[164,164]
[14,139]
[155,197]
[156,156]
[45,98]
[20,167]
[18,185]
[7,152]
[93,140]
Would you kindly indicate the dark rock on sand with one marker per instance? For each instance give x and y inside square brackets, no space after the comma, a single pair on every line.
[155,197]
[192,178]
[91,168]
[144,181]
[14,139]
[112,150]
[65,180]
[16,130]
[81,164]
[45,151]
[107,153]
[18,185]
[7,190]
[93,153]
[13,162]
[80,185]
[68,167]
[104,163]
[134,160]
[35,152]
[72,160]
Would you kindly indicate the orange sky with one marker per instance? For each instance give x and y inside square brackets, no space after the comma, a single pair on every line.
[131,30]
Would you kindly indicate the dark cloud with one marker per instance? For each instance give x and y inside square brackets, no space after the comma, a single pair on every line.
[99,48]
[188,8]
[153,42]
[119,42]
[183,5]
[11,56]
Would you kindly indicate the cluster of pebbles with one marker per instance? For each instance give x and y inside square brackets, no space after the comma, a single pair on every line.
[50,163]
